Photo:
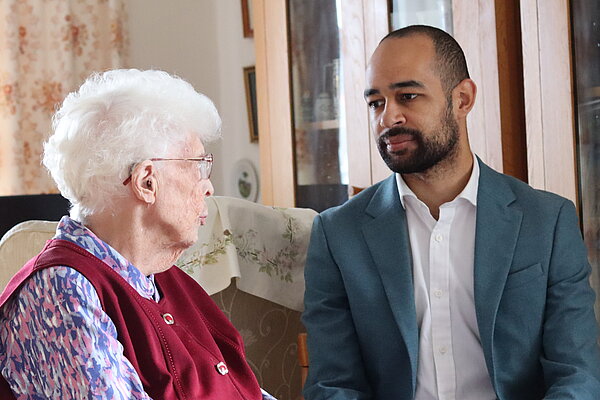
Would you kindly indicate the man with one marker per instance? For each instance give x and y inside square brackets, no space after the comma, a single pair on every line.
[447,280]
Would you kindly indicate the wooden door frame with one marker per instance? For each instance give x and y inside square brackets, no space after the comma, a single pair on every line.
[277,177]
[548,88]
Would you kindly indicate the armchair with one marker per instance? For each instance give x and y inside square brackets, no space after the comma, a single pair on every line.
[249,258]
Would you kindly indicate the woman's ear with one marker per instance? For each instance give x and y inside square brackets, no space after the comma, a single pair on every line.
[143,182]
[463,96]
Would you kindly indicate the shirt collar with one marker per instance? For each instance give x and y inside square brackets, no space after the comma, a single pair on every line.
[469,192]
[75,232]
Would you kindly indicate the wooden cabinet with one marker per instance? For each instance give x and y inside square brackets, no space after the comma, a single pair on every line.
[360,26]
[274,108]
[561,60]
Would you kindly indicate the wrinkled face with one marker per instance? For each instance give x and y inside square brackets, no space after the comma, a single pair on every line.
[411,115]
[181,203]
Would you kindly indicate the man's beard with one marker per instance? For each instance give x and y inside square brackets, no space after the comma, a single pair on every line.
[440,145]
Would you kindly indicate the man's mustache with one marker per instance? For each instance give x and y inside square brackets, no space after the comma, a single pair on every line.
[416,135]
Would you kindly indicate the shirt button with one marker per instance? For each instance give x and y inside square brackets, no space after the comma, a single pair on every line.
[168,319]
[438,293]
[439,238]
[443,350]
[222,368]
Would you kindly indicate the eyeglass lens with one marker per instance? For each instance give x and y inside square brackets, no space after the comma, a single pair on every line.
[205,167]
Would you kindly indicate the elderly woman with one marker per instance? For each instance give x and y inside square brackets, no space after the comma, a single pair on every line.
[101,313]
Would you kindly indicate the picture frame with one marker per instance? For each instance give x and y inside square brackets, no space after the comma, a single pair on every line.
[247,18]
[244,182]
[251,103]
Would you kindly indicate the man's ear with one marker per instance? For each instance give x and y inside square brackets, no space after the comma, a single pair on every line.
[144,182]
[463,96]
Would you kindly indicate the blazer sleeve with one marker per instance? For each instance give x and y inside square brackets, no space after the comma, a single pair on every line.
[571,357]
[336,369]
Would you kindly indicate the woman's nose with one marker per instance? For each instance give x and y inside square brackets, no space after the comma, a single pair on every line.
[208,188]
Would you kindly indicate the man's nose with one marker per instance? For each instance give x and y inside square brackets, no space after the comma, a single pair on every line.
[393,115]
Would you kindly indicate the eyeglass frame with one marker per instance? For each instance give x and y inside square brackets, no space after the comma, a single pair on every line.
[207,159]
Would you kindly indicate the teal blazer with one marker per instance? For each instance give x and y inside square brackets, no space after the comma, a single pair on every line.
[533,300]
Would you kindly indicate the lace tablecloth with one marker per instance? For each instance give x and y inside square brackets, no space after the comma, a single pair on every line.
[263,247]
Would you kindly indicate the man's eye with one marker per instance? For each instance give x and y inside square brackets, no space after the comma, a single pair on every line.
[375,104]
[408,96]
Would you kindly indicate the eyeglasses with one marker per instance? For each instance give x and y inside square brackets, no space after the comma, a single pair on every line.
[205,163]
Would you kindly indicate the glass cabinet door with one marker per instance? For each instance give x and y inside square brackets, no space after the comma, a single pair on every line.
[320,153]
[586,48]
[436,13]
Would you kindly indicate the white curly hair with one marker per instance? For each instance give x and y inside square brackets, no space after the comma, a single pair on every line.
[117,119]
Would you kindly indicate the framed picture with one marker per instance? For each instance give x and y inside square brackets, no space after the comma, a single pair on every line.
[251,105]
[247,18]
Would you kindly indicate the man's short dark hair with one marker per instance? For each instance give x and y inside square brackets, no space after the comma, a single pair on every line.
[450,60]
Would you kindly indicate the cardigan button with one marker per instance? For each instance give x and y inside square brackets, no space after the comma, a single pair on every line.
[222,368]
[168,319]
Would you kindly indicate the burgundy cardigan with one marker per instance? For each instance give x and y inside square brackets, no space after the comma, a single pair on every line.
[182,347]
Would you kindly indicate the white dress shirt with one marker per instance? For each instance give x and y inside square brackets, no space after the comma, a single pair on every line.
[451,362]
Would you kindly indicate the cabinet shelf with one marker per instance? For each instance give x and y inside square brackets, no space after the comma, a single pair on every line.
[321,125]
[592,92]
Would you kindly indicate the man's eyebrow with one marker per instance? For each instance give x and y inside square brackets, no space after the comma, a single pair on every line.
[396,85]
[404,84]
[370,92]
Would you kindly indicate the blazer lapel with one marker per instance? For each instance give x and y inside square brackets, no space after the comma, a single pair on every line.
[387,238]
[497,230]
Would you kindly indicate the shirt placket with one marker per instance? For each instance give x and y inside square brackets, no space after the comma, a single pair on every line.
[439,296]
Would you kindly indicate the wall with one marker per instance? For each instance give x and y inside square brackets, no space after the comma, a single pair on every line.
[202,42]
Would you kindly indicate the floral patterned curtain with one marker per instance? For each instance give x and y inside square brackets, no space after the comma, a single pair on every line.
[47,49]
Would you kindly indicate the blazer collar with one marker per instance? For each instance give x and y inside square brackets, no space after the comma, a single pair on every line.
[386,235]
[497,229]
